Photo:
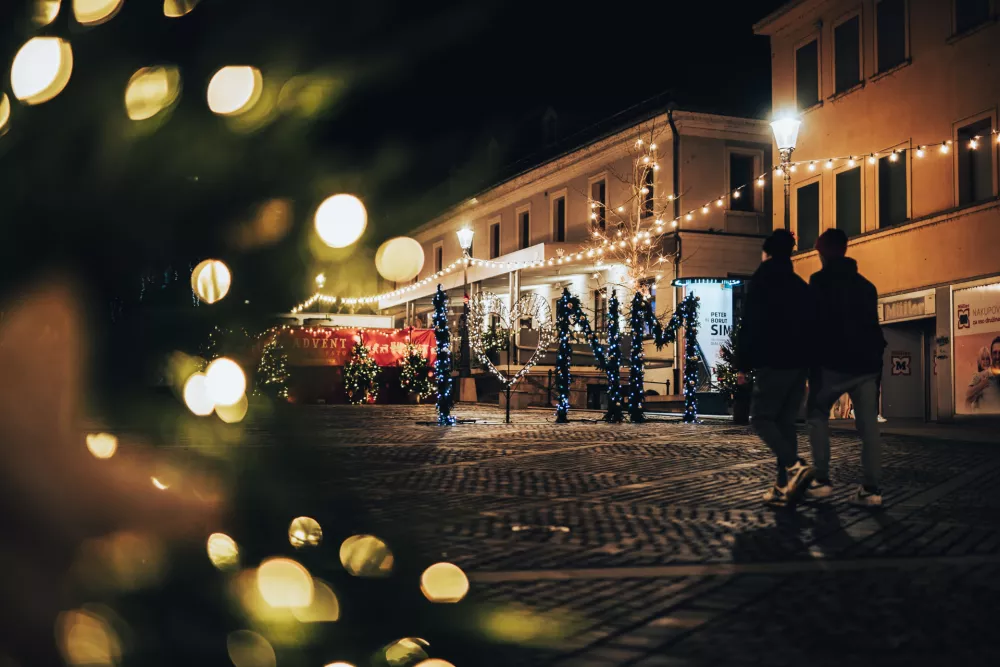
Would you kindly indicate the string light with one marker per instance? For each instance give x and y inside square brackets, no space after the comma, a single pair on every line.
[871,158]
[894,156]
[829,164]
[736,195]
[812,166]
[944,147]
[704,209]
[920,151]
[974,142]
[852,162]
[760,181]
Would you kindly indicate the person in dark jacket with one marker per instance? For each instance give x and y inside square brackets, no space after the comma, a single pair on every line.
[773,344]
[848,349]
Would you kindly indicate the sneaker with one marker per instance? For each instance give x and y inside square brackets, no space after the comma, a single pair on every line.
[882,420]
[776,496]
[799,475]
[866,498]
[819,488]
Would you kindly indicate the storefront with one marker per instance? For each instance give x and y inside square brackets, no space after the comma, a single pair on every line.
[908,324]
[975,332]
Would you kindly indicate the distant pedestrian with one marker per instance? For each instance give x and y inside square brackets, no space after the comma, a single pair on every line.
[848,346]
[773,344]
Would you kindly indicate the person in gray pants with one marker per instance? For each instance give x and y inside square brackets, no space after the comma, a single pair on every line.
[847,359]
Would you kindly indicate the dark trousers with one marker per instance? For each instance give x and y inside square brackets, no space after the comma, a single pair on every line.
[777,399]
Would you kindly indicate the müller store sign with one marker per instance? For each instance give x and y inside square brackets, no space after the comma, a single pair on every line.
[911,307]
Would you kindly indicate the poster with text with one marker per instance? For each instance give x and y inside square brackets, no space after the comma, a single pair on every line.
[977,349]
[715,320]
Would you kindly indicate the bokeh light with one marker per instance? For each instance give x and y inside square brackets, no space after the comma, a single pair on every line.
[325,608]
[518,624]
[86,638]
[233,414]
[248,649]
[366,556]
[196,396]
[211,280]
[307,95]
[225,381]
[305,530]
[177,8]
[93,12]
[340,220]
[222,551]
[444,582]
[41,69]
[270,223]
[405,651]
[122,561]
[152,90]
[4,112]
[234,90]
[338,664]
[399,259]
[434,662]
[284,583]
[102,445]
[158,483]
[45,11]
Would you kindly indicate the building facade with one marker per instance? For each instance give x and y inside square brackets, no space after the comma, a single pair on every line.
[898,147]
[531,232]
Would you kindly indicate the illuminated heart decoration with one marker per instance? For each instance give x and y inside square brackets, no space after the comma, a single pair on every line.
[487,306]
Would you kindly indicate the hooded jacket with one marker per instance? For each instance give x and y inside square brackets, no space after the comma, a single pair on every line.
[847,336]
[776,324]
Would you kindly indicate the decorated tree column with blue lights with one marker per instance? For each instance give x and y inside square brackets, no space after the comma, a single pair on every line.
[616,412]
[569,311]
[637,360]
[442,365]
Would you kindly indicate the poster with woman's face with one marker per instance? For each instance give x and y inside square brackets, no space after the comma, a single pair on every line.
[977,349]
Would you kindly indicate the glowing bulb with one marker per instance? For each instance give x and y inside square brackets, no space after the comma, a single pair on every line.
[211,280]
[151,90]
[944,147]
[673,223]
[829,164]
[41,69]
[851,162]
[196,396]
[894,156]
[792,168]
[340,220]
[233,90]
[812,166]
[718,202]
[920,151]
[225,381]
[444,582]
[400,259]
[760,182]
[93,12]
[871,159]
[645,160]
[704,209]
[283,583]
[736,195]
[778,172]
[689,216]
[102,445]
[621,209]
[652,147]
[974,143]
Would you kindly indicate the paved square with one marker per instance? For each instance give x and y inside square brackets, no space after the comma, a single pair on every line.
[648,545]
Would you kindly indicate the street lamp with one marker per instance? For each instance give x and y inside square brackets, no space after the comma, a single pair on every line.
[786,131]
[465,235]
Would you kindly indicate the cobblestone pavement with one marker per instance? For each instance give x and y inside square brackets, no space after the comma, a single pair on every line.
[648,545]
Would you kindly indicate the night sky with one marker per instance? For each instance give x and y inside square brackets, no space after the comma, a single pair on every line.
[423,90]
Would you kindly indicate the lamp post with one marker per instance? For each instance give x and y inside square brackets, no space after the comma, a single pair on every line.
[465,235]
[786,131]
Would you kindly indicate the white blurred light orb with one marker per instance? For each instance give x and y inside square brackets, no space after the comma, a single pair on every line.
[225,381]
[196,396]
[4,112]
[340,220]
[284,583]
[211,280]
[177,8]
[400,259]
[303,531]
[41,69]
[233,414]
[102,445]
[151,90]
[234,90]
[249,649]
[93,12]
[444,582]
[46,11]
[434,662]
[223,551]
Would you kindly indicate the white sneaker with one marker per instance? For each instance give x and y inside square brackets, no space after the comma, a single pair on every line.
[799,475]
[865,498]
[882,420]
[818,489]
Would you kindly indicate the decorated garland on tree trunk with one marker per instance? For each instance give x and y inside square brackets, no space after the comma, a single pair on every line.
[442,365]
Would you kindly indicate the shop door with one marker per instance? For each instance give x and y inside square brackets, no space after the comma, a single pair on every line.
[904,384]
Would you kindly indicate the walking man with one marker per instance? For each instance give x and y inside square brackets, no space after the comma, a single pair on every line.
[848,359]
[772,343]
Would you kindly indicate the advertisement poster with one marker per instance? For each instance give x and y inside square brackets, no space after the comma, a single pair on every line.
[332,347]
[977,350]
[715,319]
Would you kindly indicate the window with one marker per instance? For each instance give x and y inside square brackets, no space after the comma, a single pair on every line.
[847,54]
[970,13]
[559,219]
[807,75]
[975,162]
[598,195]
[438,257]
[892,195]
[849,201]
[741,172]
[648,205]
[890,27]
[495,240]
[524,228]
[600,311]
[807,200]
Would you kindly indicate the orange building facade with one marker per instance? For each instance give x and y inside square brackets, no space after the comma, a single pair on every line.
[903,95]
